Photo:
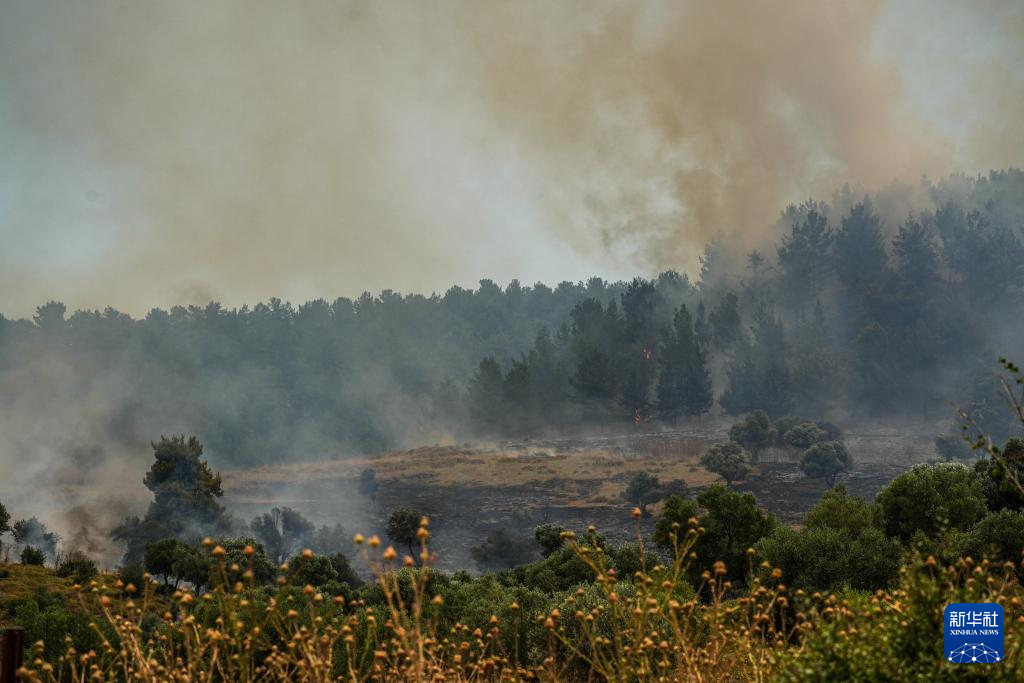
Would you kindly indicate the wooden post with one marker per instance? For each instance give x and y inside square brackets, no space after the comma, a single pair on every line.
[10,657]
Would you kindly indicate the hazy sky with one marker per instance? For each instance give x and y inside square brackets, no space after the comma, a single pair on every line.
[154,153]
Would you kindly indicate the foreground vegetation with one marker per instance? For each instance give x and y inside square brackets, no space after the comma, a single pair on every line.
[724,593]
[419,624]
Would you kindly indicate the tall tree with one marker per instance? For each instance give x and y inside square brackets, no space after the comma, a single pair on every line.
[860,258]
[186,495]
[725,320]
[804,256]
[684,385]
[485,397]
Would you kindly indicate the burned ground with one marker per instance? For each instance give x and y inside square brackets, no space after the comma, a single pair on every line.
[470,489]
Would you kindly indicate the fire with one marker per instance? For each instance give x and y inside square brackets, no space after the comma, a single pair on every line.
[647,353]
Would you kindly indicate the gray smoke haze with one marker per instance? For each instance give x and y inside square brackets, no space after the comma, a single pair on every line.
[161,153]
[166,153]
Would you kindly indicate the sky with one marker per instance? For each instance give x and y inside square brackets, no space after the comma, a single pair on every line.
[159,153]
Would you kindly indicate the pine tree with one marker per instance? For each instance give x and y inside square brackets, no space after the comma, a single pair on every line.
[804,258]
[684,386]
[860,258]
[486,396]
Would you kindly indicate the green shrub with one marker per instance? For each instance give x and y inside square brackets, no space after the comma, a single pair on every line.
[804,435]
[931,499]
[731,522]
[33,556]
[998,536]
[78,567]
[827,461]
[897,636]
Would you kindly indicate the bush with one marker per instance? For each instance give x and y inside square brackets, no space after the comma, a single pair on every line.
[833,432]
[642,490]
[728,460]
[931,499]
[998,537]
[804,435]
[504,548]
[33,556]
[732,523]
[1003,475]
[549,538]
[896,636]
[78,567]
[754,432]
[828,558]
[782,426]
[825,461]
[839,510]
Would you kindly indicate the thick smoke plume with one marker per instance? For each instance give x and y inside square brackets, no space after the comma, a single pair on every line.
[160,153]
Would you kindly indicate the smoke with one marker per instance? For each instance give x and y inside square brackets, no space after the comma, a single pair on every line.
[167,153]
[161,153]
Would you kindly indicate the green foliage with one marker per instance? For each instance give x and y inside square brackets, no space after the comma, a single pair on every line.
[838,509]
[998,536]
[5,520]
[728,460]
[931,499]
[642,490]
[859,250]
[725,320]
[684,385]
[282,532]
[262,567]
[805,435]
[897,637]
[826,461]
[174,562]
[315,570]
[185,498]
[32,556]
[549,537]
[403,525]
[804,257]
[758,378]
[33,532]
[47,617]
[731,522]
[504,548]
[675,517]
[78,567]
[826,558]
[753,432]
[1003,476]
[839,547]
[5,524]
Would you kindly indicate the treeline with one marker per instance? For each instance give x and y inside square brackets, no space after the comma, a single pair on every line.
[269,382]
[845,316]
[860,308]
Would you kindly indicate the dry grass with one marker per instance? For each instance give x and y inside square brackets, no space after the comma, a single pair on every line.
[21,581]
[638,630]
